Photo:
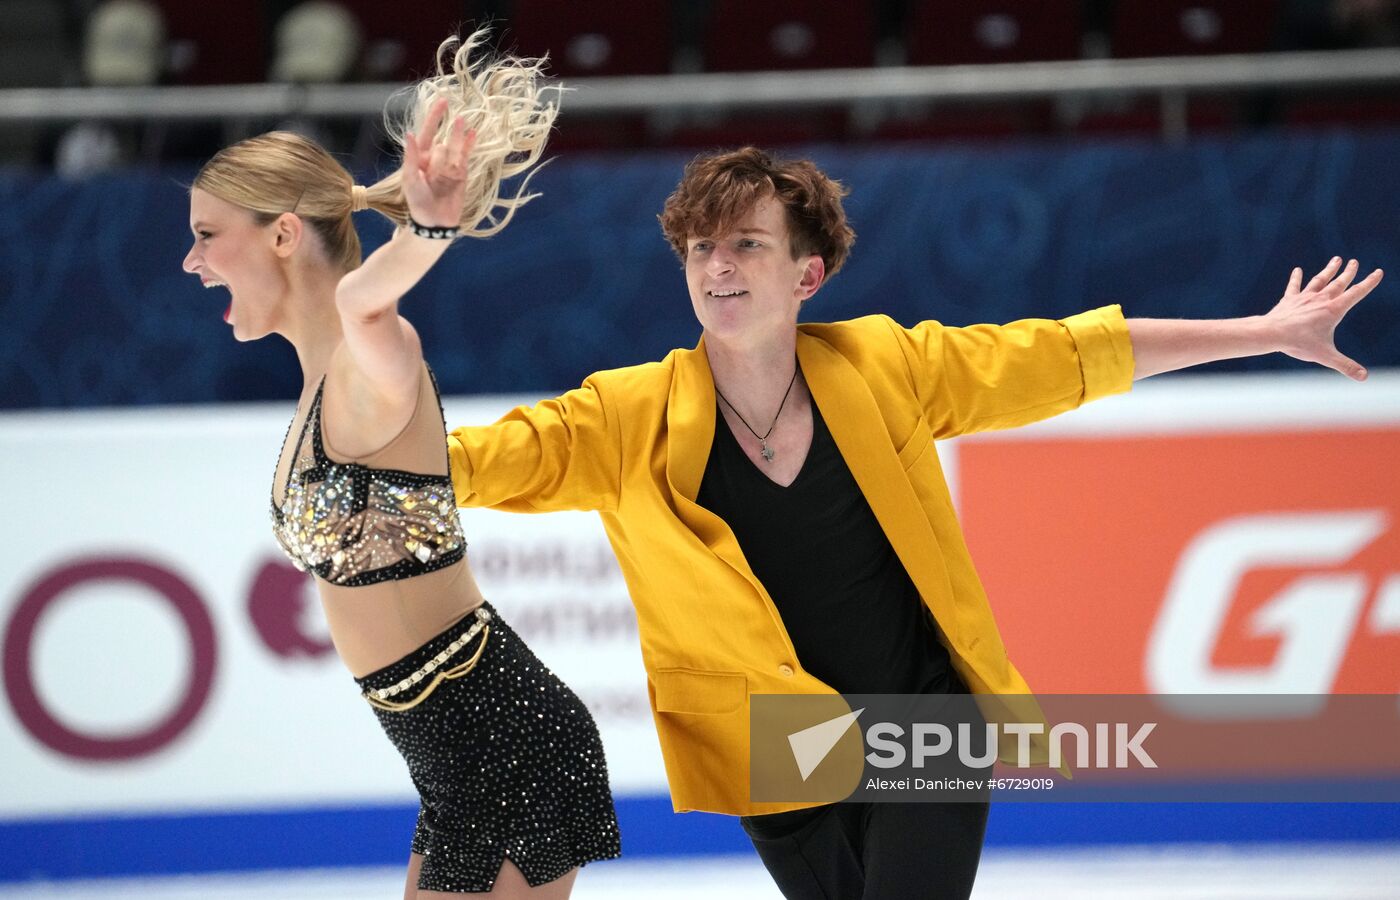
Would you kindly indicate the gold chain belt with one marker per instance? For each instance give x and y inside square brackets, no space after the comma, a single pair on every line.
[433,669]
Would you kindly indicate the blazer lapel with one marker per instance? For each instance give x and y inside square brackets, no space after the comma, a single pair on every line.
[690,433]
[855,422]
[690,421]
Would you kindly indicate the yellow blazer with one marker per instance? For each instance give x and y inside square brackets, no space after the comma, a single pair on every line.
[632,444]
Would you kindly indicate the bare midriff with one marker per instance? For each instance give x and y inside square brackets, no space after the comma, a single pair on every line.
[375,625]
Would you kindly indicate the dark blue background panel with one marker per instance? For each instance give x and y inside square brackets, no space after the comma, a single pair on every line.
[97,312]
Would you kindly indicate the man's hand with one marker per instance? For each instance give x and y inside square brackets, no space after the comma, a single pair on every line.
[1303,322]
[1301,325]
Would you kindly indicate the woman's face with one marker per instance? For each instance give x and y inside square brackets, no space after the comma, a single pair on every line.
[232,251]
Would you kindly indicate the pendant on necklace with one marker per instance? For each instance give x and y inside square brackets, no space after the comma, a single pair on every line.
[767,451]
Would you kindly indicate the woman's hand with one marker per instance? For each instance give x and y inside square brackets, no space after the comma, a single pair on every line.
[1304,320]
[434,182]
[434,173]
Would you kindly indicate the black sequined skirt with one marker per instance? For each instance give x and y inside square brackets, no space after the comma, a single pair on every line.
[506,759]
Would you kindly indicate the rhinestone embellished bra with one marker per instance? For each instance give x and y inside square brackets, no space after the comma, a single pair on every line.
[353,525]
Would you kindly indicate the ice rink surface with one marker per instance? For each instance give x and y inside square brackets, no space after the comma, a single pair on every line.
[1279,872]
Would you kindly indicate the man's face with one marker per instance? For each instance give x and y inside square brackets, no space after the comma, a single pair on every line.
[745,285]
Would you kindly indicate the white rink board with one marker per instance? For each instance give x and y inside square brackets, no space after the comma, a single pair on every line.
[184,491]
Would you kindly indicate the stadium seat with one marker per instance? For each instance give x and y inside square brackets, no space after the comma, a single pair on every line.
[991,31]
[1192,27]
[316,42]
[594,37]
[124,44]
[400,43]
[753,35]
[215,42]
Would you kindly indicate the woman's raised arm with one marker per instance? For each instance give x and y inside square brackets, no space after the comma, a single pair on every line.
[471,127]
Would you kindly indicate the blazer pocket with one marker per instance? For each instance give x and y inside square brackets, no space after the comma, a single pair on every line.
[920,442]
[699,693]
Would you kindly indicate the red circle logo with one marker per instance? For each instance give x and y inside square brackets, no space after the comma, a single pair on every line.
[19,674]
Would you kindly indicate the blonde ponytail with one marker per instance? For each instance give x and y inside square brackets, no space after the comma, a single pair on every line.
[503,100]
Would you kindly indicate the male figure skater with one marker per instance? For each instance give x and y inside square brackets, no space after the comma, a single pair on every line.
[778,509]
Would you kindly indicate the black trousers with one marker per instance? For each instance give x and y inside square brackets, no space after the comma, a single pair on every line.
[872,851]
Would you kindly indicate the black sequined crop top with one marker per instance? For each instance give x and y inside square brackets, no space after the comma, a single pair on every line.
[354,525]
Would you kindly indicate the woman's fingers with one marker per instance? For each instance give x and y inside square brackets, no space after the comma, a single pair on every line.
[462,143]
[445,157]
[434,159]
[447,161]
[428,132]
[452,149]
[437,160]
[411,157]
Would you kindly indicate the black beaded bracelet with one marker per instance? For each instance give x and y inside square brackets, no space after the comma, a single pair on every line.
[434,232]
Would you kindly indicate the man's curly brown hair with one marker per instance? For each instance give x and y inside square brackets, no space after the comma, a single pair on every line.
[719,189]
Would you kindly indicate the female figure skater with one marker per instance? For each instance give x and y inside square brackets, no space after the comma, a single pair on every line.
[506,759]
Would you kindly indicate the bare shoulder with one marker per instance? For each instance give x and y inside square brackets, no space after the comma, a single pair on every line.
[364,411]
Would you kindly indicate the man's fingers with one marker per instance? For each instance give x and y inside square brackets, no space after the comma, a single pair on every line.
[1353,294]
[1344,280]
[1321,278]
[1295,281]
[1346,365]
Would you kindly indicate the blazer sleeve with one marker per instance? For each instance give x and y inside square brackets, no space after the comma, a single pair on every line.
[985,377]
[560,454]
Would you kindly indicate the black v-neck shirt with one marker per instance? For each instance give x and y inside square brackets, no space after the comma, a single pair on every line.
[855,617]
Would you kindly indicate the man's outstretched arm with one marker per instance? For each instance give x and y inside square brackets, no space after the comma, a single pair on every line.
[1301,325]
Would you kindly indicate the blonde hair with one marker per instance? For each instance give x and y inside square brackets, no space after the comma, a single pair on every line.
[502,99]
